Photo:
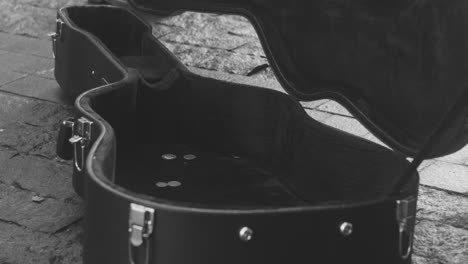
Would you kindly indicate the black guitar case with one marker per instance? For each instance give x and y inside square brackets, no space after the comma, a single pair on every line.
[176,168]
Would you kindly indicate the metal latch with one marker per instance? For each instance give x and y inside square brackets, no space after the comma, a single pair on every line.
[141,222]
[80,140]
[56,35]
[406,217]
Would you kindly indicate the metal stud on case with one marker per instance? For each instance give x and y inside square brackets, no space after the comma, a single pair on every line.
[245,234]
[346,228]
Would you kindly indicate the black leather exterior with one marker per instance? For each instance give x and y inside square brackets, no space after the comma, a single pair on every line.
[188,235]
[398,66]
[148,98]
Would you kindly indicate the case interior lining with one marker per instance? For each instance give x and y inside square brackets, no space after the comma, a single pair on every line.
[253,147]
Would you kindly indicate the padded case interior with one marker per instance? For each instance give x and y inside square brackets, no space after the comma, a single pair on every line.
[251,146]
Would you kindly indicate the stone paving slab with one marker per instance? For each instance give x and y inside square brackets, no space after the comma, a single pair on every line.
[442,207]
[447,176]
[442,228]
[28,129]
[28,20]
[198,28]
[49,4]
[35,232]
[253,81]
[201,35]
[33,18]
[37,87]
[215,59]
[459,157]
[314,104]
[30,139]
[46,178]
[20,245]
[347,124]
[334,108]
[319,115]
[18,109]
[48,74]
[23,63]
[9,76]
[436,243]
[26,45]
[374,139]
[47,216]
[252,48]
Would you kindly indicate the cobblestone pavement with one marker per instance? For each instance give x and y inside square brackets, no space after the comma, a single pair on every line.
[41,217]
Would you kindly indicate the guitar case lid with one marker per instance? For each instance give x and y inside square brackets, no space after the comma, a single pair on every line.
[398,65]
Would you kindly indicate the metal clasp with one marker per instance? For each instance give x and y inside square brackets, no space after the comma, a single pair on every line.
[80,140]
[69,123]
[406,217]
[141,222]
[56,35]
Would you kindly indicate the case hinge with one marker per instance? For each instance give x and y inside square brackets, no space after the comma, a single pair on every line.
[80,140]
[56,35]
[406,217]
[141,222]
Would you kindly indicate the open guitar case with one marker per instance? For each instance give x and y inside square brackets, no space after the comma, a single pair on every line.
[176,168]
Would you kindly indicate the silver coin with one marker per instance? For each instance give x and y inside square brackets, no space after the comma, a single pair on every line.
[190,157]
[169,156]
[174,183]
[161,184]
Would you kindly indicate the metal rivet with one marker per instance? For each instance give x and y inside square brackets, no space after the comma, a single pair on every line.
[161,184]
[346,228]
[245,234]
[169,156]
[174,183]
[93,72]
[190,157]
